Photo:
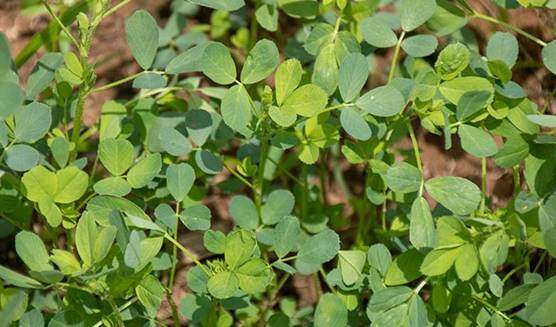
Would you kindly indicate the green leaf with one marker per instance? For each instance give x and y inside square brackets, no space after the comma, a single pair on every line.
[65,261]
[103,243]
[351,265]
[267,17]
[354,123]
[287,233]
[543,120]
[150,293]
[43,73]
[352,76]
[208,162]
[72,184]
[174,142]
[188,61]
[422,233]
[254,276]
[260,63]
[447,19]
[405,268]
[548,56]
[51,212]
[195,307]
[13,306]
[218,64]
[11,98]
[31,250]
[388,298]
[403,177]
[214,241]
[132,254]
[223,284]
[279,204]
[541,303]
[112,114]
[287,79]
[300,8]
[439,261]
[331,312]
[85,238]
[13,278]
[472,102]
[21,157]
[114,185]
[452,60]
[503,46]
[454,89]
[32,318]
[379,258]
[414,13]
[179,180]
[515,297]
[476,141]
[383,101]
[39,184]
[142,37]
[514,150]
[325,70]
[307,101]
[60,149]
[149,81]
[320,248]
[457,194]
[143,172]
[226,5]
[236,108]
[467,262]
[244,212]
[196,217]
[116,155]
[420,45]
[282,117]
[240,247]
[377,33]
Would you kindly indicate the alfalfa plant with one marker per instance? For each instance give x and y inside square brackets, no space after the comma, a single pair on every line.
[97,211]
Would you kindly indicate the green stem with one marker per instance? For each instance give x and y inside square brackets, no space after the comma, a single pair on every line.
[510,27]
[115,8]
[513,271]
[259,182]
[118,82]
[238,176]
[483,184]
[492,307]
[188,254]
[174,255]
[395,58]
[62,26]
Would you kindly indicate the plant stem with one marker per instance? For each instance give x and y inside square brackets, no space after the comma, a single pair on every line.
[188,254]
[118,82]
[491,307]
[394,62]
[62,26]
[238,176]
[513,271]
[415,145]
[483,184]
[510,27]
[174,255]
[115,8]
